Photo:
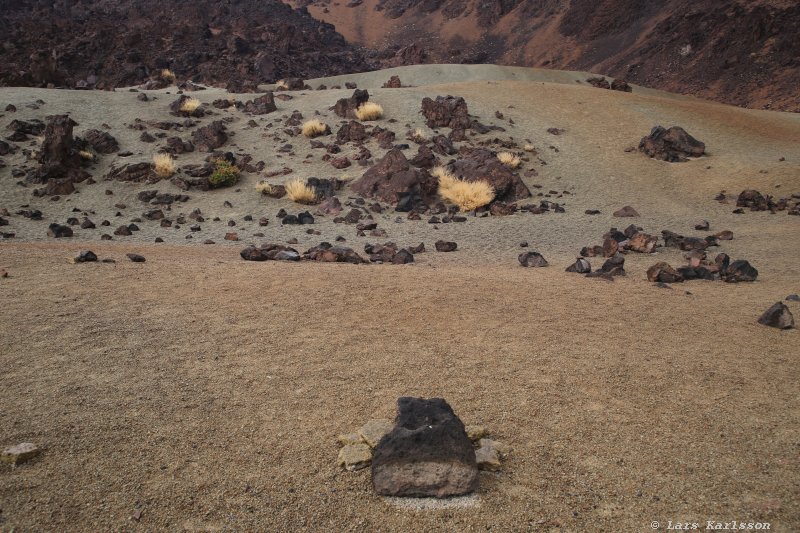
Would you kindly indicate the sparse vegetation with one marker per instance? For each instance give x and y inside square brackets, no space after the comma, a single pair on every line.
[467,195]
[369,111]
[164,165]
[225,175]
[168,75]
[508,159]
[315,128]
[86,155]
[264,188]
[298,191]
[419,135]
[281,84]
[529,147]
[190,105]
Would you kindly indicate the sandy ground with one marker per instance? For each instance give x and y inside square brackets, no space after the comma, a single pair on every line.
[207,391]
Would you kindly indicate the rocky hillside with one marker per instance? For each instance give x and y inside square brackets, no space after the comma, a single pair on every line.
[744,52]
[112,43]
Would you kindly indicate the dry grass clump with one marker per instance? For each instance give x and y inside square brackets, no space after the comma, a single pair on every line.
[467,195]
[86,155]
[419,135]
[529,147]
[298,191]
[168,75]
[190,105]
[164,165]
[265,188]
[314,128]
[369,111]
[508,159]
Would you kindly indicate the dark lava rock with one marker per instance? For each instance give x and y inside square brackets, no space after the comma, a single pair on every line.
[752,199]
[427,453]
[262,105]
[86,256]
[58,231]
[327,253]
[777,316]
[123,230]
[135,172]
[626,211]
[392,179]
[445,246]
[663,273]
[532,259]
[101,141]
[58,157]
[446,112]
[136,258]
[673,145]
[346,107]
[209,138]
[740,270]
[621,85]
[351,132]
[270,252]
[393,83]
[581,266]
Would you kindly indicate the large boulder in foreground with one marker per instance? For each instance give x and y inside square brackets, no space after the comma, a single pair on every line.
[427,453]
[673,145]
[392,180]
[480,164]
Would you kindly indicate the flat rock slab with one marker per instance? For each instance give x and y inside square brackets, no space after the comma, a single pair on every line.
[374,430]
[355,456]
[20,453]
[427,453]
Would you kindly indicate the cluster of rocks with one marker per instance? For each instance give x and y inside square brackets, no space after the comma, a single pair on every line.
[755,201]
[699,267]
[426,452]
[632,239]
[602,83]
[674,145]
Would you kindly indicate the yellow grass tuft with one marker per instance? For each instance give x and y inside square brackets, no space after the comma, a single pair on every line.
[529,147]
[168,75]
[281,84]
[298,191]
[369,111]
[508,159]
[190,105]
[314,128]
[264,188]
[164,165]
[467,195]
[419,135]
[86,155]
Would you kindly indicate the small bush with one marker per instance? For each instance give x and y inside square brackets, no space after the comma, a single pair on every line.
[168,75]
[190,105]
[164,165]
[508,159]
[467,195]
[86,155]
[225,175]
[529,148]
[264,188]
[281,84]
[369,111]
[315,128]
[298,191]
[419,135]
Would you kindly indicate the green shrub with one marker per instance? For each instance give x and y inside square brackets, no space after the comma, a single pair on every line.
[225,175]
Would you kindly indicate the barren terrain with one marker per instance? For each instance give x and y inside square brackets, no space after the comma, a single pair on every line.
[200,392]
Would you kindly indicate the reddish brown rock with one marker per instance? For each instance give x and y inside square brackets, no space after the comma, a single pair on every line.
[392,179]
[777,316]
[662,272]
[480,164]
[626,211]
[446,112]
[532,259]
[346,107]
[673,145]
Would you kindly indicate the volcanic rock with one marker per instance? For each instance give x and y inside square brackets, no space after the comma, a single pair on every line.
[209,138]
[532,259]
[57,231]
[777,316]
[58,157]
[446,112]
[740,270]
[581,266]
[346,107]
[262,105]
[626,211]
[663,273]
[392,178]
[445,246]
[101,141]
[427,453]
[673,145]
[480,164]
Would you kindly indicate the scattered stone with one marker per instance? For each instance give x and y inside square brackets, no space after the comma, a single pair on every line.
[663,273]
[626,211]
[20,453]
[355,456]
[445,246]
[673,145]
[475,433]
[489,453]
[427,453]
[123,231]
[532,259]
[777,316]
[740,270]
[580,266]
[374,430]
[58,231]
[136,258]
[86,256]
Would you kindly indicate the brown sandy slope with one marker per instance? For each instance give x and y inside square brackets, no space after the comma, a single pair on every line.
[207,391]
[743,52]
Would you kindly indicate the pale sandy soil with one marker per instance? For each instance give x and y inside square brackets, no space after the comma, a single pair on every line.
[208,391]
